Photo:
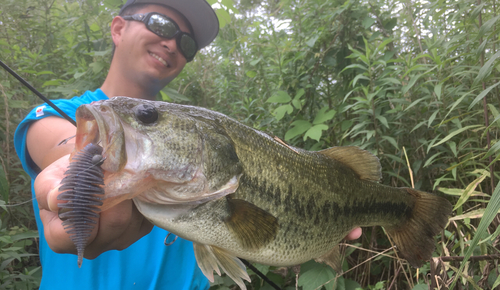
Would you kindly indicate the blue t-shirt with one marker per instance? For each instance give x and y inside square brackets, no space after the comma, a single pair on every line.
[147,264]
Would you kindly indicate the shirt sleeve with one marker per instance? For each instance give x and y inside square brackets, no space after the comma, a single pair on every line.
[68,106]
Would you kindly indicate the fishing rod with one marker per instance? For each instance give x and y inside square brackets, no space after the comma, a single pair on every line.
[36,92]
[54,106]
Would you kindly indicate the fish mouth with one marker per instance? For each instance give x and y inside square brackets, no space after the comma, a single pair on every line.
[97,123]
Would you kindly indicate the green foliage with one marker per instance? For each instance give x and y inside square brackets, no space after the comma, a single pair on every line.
[416,83]
[17,270]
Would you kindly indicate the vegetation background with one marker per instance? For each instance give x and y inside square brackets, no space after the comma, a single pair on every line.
[414,82]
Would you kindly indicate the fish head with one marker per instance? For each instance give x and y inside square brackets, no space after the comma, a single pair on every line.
[158,152]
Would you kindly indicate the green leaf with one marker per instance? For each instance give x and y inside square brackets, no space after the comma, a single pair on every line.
[429,161]
[470,189]
[483,94]
[251,73]
[416,102]
[279,97]
[473,214]
[297,104]
[323,116]
[165,97]
[77,75]
[410,84]
[280,111]
[496,114]
[51,83]
[25,235]
[174,95]
[255,62]
[4,187]
[431,119]
[368,21]
[300,127]
[486,68]
[18,104]
[384,43]
[383,120]
[227,3]
[94,27]
[391,80]
[45,72]
[356,78]
[437,90]
[459,192]
[497,281]
[299,94]
[491,212]
[112,3]
[315,132]
[493,150]
[312,41]
[101,52]
[456,132]
[316,277]
[356,65]
[392,141]
[223,16]
[96,67]
[487,26]
[421,286]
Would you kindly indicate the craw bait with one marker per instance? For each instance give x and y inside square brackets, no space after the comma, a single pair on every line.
[82,189]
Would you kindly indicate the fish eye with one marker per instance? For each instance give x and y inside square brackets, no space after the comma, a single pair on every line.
[146,113]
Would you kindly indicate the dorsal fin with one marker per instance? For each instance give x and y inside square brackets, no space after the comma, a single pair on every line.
[365,164]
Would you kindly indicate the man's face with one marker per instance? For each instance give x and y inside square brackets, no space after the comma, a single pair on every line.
[145,56]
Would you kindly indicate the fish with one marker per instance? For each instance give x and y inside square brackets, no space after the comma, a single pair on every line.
[239,193]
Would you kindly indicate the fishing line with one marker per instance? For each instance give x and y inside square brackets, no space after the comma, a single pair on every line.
[17,204]
[36,92]
[260,274]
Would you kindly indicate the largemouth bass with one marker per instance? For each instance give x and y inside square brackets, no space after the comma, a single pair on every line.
[239,193]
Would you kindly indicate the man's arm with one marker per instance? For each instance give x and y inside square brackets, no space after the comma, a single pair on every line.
[118,227]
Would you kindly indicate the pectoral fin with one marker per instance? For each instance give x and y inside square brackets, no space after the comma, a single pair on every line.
[252,226]
[209,259]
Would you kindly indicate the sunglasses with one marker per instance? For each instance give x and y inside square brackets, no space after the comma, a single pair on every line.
[165,27]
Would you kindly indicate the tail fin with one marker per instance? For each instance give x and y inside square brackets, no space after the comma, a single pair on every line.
[415,238]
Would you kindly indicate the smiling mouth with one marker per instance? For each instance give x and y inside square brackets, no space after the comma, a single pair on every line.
[159,59]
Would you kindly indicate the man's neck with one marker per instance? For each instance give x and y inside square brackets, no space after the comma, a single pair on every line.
[118,85]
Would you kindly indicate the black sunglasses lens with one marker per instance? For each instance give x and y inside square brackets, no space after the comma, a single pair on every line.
[166,28]
[188,46]
[162,26]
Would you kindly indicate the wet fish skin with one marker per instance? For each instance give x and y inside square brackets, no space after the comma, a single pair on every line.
[237,192]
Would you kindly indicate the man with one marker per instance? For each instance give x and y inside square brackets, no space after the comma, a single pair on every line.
[150,51]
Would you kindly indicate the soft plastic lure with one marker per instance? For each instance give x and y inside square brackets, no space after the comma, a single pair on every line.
[82,189]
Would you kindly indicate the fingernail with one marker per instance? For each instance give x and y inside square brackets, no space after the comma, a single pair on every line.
[52,199]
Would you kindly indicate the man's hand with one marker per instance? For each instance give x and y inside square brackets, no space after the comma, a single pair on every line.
[118,227]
